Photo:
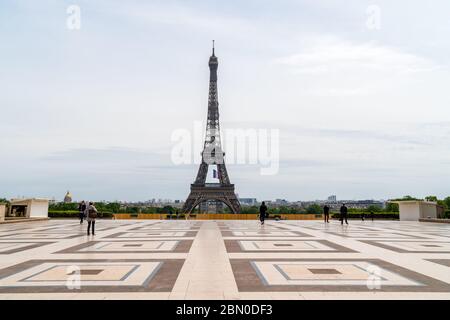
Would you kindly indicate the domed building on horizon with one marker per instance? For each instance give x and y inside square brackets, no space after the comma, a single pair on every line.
[68,197]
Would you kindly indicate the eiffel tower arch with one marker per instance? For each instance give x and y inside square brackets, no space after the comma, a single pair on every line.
[212,154]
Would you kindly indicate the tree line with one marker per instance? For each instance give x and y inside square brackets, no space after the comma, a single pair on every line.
[115,207]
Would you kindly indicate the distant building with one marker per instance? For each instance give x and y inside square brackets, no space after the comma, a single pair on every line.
[281,202]
[68,197]
[355,204]
[248,201]
[332,198]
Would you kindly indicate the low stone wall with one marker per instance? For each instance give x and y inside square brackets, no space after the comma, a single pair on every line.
[434,220]
[2,212]
[216,216]
[19,220]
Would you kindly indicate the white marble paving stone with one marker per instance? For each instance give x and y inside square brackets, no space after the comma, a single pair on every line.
[414,246]
[134,246]
[59,273]
[350,273]
[280,245]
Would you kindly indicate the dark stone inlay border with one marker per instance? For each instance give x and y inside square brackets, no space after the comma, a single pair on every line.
[354,235]
[70,236]
[161,228]
[437,234]
[183,246]
[248,280]
[162,281]
[91,272]
[377,243]
[31,245]
[443,262]
[256,227]
[75,228]
[354,228]
[156,235]
[233,246]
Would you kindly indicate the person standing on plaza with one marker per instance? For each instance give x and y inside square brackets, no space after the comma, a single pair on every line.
[81,210]
[372,215]
[262,212]
[326,213]
[344,212]
[91,216]
[363,216]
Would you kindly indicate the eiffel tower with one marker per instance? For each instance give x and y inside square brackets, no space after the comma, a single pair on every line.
[212,155]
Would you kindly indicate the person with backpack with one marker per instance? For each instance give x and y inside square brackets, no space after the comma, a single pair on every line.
[91,216]
[262,212]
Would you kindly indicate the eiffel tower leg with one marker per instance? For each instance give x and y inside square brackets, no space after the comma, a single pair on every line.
[190,203]
[223,174]
[232,202]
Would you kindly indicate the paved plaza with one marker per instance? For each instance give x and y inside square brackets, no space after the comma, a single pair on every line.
[229,259]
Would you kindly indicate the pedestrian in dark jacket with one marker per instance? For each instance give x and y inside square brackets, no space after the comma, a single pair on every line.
[344,212]
[81,210]
[262,212]
[326,213]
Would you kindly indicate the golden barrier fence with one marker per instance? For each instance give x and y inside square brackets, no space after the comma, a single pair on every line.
[216,216]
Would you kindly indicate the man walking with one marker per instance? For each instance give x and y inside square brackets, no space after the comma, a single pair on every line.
[344,212]
[262,212]
[326,213]
[81,210]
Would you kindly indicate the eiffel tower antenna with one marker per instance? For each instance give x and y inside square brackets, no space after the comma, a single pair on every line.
[212,155]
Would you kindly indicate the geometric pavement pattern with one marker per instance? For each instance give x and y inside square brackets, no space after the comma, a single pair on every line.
[231,259]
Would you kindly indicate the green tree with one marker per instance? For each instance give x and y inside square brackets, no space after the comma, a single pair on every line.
[431,198]
[283,209]
[373,208]
[391,207]
[113,207]
[150,210]
[273,210]
[447,202]
[168,210]
[61,206]
[406,198]
[295,210]
[250,210]
[314,209]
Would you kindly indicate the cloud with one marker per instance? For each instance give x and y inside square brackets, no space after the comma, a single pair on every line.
[112,159]
[181,15]
[91,154]
[332,55]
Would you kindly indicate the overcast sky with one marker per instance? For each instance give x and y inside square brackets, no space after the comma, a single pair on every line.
[362,112]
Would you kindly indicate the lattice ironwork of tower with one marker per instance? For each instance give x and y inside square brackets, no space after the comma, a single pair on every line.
[212,155]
